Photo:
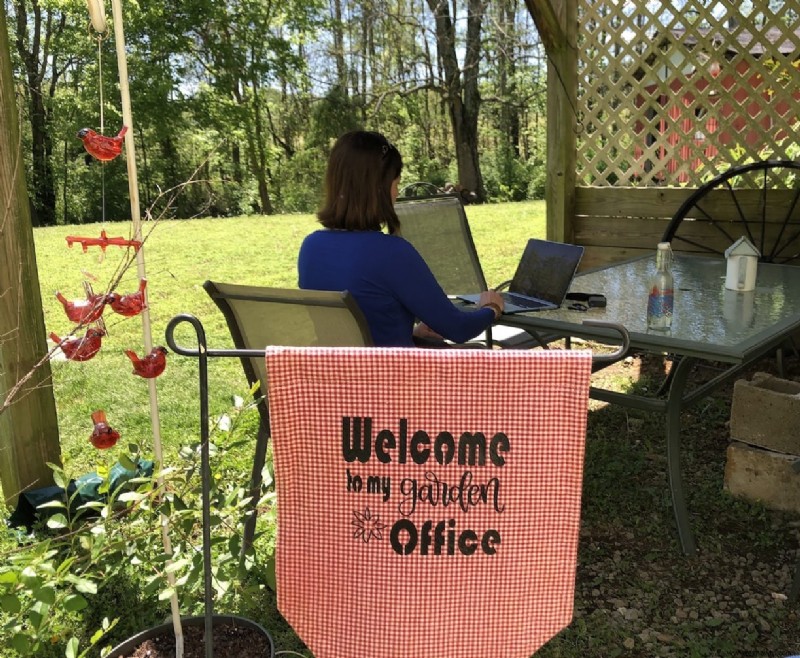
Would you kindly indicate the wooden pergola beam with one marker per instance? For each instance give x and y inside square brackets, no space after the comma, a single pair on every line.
[547,24]
[29,425]
[556,21]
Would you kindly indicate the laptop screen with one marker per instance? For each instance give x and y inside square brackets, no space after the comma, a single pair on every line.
[546,269]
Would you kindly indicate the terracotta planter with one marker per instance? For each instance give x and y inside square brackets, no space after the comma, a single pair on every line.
[130,645]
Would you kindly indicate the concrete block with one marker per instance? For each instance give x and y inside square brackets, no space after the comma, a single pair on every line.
[763,476]
[766,412]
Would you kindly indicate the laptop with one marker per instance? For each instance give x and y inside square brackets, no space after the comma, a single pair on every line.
[543,276]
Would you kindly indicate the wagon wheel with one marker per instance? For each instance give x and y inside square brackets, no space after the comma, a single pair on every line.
[760,200]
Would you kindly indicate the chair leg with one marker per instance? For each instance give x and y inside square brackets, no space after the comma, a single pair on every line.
[792,344]
[779,361]
[664,387]
[795,589]
[259,459]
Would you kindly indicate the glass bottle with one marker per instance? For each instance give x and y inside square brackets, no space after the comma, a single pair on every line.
[661,297]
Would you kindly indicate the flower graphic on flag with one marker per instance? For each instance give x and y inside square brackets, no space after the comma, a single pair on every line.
[367,525]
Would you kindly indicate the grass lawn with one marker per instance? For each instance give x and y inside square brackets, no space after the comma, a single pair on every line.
[180,256]
[636,595]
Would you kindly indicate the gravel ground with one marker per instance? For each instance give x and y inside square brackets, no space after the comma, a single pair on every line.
[637,595]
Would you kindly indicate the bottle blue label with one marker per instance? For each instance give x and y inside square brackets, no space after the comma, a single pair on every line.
[659,305]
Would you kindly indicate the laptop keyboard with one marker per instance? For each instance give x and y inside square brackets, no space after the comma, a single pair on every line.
[524,302]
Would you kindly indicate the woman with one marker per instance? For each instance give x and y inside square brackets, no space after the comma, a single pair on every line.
[384,273]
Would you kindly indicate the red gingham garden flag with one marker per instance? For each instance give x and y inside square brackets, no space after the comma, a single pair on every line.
[428,500]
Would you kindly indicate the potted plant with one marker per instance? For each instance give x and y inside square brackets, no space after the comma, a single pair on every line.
[98,524]
[99,528]
[223,636]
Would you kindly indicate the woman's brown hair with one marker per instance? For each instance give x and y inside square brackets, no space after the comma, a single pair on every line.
[358,183]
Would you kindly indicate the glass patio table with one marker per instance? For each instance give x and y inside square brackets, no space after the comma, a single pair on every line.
[710,323]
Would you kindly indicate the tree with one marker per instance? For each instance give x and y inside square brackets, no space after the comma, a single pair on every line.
[461,92]
[244,47]
[506,73]
[33,38]
[242,87]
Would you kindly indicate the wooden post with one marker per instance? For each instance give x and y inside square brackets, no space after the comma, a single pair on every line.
[556,21]
[29,425]
[561,127]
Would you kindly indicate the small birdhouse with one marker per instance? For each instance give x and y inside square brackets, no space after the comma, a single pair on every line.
[742,257]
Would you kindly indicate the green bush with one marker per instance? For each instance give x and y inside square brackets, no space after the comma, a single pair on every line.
[98,562]
[300,182]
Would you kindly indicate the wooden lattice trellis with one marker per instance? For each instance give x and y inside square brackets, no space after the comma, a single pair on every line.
[671,94]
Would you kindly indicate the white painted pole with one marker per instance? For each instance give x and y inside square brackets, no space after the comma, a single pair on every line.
[133,188]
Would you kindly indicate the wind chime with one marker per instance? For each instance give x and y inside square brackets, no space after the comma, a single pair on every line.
[88,313]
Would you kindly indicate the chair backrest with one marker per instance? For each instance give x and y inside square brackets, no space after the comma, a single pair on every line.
[438,229]
[413,518]
[259,316]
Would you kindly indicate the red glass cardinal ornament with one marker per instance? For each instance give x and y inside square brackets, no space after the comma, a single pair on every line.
[130,304]
[103,436]
[81,349]
[101,147]
[83,311]
[149,366]
[103,241]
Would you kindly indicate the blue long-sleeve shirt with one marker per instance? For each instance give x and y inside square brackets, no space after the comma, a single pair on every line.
[391,283]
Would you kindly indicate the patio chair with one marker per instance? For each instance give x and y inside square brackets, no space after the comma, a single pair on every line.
[415,517]
[258,316]
[438,228]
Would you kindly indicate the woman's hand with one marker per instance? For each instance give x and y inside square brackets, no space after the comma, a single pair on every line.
[493,300]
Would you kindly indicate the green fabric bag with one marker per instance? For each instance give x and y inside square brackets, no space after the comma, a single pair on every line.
[87,486]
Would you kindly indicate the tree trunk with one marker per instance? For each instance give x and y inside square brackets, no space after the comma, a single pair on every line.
[28,422]
[337,28]
[32,54]
[236,158]
[169,155]
[44,202]
[506,75]
[257,148]
[462,98]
